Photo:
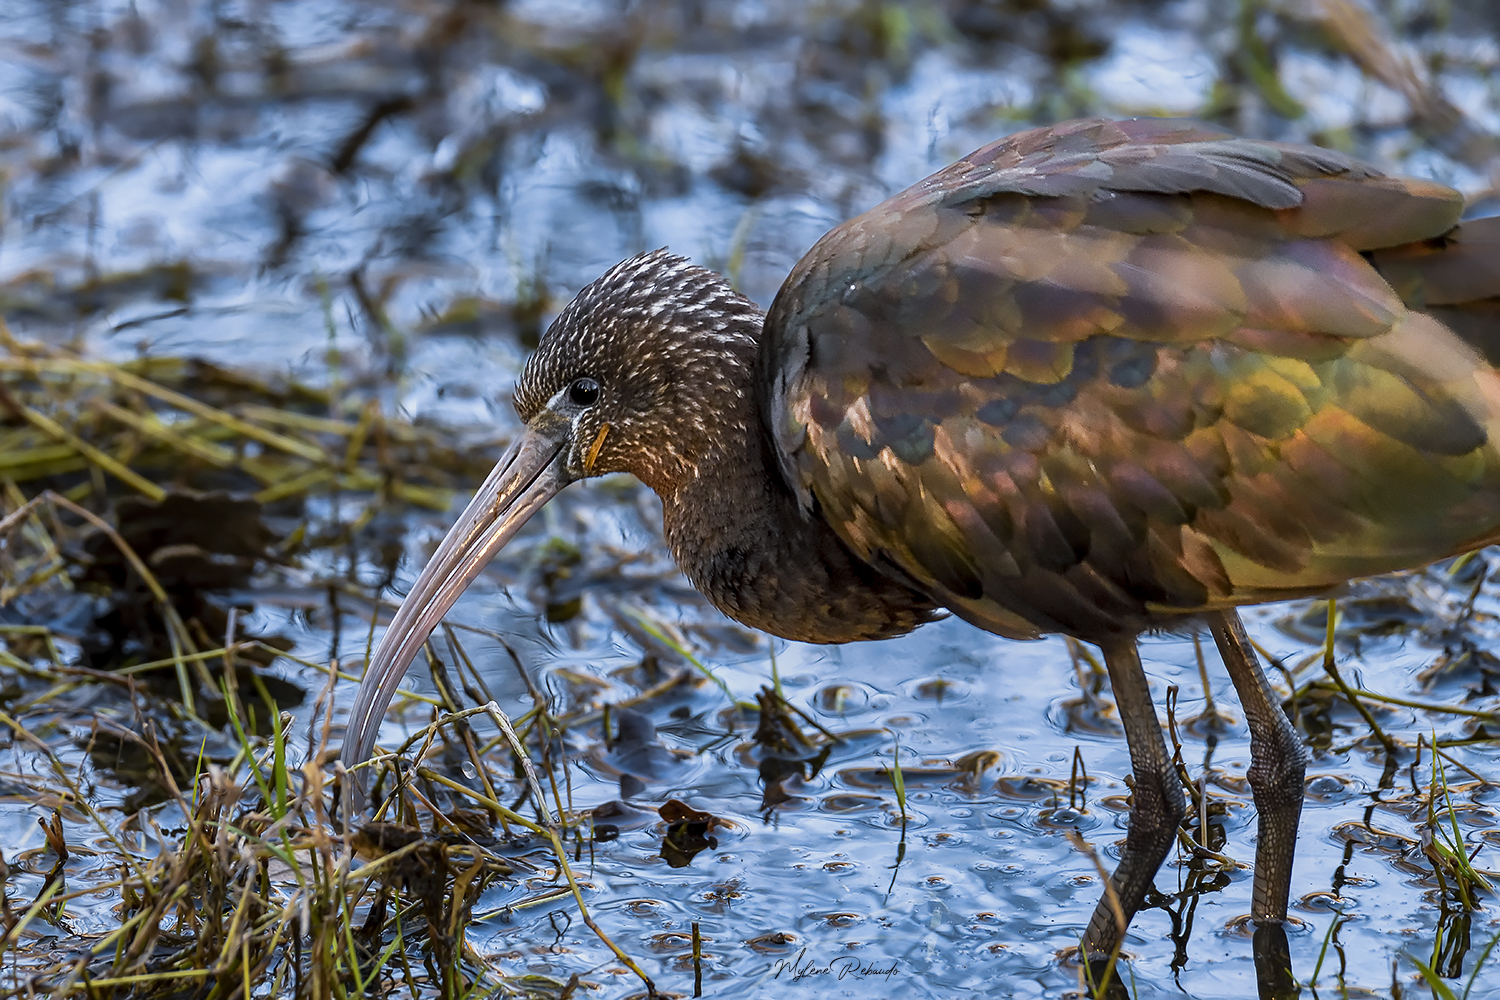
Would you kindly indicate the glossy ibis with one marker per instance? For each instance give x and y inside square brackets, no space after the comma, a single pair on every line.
[1100,379]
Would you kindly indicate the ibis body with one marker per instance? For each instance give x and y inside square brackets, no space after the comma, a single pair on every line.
[1096,379]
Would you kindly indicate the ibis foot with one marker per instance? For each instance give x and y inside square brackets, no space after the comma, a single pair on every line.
[1278,769]
[1157,805]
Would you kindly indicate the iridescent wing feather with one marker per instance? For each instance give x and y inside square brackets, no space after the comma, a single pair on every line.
[1098,376]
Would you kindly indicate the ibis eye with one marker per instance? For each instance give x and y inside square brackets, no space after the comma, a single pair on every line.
[583,392]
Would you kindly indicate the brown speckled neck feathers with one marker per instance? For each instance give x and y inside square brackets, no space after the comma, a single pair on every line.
[675,350]
[741,538]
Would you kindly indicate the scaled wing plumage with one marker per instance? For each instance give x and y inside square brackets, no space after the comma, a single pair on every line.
[1089,379]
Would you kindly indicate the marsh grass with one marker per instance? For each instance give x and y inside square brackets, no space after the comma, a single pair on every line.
[1437,983]
[150,425]
[898,785]
[244,878]
[254,889]
[257,889]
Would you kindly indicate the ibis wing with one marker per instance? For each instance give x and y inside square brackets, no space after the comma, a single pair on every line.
[1455,278]
[1090,378]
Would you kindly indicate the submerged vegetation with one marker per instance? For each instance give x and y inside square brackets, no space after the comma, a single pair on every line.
[266,275]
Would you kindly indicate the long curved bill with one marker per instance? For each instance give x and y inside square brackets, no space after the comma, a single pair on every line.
[531,472]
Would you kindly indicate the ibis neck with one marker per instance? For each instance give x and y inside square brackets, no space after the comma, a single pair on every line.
[743,540]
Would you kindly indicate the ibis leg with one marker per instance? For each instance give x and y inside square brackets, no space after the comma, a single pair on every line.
[1278,769]
[1157,803]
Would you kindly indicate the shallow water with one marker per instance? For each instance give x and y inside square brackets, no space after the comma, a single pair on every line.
[414,185]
